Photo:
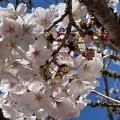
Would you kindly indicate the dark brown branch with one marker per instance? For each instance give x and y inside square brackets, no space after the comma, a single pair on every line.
[16,3]
[106,86]
[107,93]
[68,29]
[103,104]
[106,17]
[112,106]
[82,33]
[110,73]
[57,21]
[64,39]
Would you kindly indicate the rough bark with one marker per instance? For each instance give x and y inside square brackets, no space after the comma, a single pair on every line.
[107,19]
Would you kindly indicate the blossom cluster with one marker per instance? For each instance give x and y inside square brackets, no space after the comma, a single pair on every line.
[38,77]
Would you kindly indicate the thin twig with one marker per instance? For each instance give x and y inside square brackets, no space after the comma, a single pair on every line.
[103,104]
[109,98]
[68,29]
[110,116]
[57,21]
[82,33]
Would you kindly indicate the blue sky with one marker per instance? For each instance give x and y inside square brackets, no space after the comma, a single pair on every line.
[87,113]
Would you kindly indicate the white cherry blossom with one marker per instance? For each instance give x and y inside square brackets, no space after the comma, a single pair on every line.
[37,53]
[44,16]
[88,70]
[39,73]
[10,11]
[9,27]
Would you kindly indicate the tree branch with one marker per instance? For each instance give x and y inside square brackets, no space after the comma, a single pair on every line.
[57,21]
[109,98]
[106,17]
[103,104]
[68,29]
[107,93]
[110,73]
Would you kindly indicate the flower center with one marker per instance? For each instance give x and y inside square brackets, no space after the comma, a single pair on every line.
[38,97]
[10,29]
[36,53]
[87,68]
[44,22]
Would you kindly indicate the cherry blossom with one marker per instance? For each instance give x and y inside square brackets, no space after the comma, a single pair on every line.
[10,11]
[88,70]
[38,53]
[44,16]
[42,72]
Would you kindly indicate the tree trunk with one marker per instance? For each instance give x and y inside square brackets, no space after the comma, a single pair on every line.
[107,19]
